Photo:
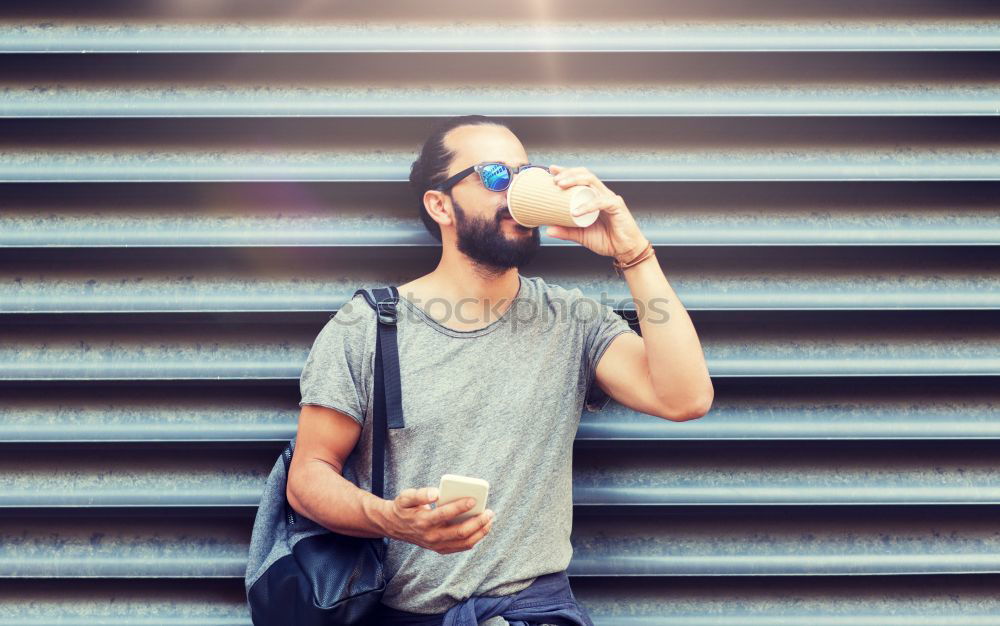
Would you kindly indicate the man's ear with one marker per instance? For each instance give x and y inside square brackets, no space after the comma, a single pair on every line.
[438,207]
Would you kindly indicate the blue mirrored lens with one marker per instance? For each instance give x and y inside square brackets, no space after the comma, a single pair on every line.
[495,177]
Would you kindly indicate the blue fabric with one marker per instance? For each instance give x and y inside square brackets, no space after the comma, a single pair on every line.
[548,600]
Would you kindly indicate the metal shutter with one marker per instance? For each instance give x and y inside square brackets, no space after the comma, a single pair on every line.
[190,189]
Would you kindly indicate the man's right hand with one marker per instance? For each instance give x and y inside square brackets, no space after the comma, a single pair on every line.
[410,518]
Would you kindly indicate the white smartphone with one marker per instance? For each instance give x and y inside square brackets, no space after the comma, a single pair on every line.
[454,487]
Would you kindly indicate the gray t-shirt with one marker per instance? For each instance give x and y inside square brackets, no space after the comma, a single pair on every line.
[501,403]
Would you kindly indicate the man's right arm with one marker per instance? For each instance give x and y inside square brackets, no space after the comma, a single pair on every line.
[316,486]
[318,490]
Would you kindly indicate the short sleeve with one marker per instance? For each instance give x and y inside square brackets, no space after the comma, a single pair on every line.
[338,371]
[602,326]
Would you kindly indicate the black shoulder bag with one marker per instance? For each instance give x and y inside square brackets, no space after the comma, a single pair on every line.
[299,572]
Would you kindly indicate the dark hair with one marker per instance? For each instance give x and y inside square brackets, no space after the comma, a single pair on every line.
[431,167]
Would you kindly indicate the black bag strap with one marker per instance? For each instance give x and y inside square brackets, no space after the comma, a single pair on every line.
[387,391]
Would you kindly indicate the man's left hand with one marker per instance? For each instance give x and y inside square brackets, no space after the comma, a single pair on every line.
[615,232]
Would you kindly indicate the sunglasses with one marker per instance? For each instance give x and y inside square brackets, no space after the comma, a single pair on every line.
[495,176]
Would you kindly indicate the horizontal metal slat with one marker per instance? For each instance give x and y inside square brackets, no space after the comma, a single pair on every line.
[743,410]
[567,85]
[935,473]
[827,541]
[213,215]
[635,601]
[507,36]
[213,478]
[374,150]
[172,412]
[781,346]
[678,543]
[879,163]
[83,602]
[122,545]
[857,410]
[693,474]
[929,600]
[131,352]
[59,101]
[313,280]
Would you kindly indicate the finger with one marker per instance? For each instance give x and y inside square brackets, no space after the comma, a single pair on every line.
[591,205]
[569,233]
[478,534]
[471,526]
[580,176]
[409,498]
[446,513]
[583,181]
[568,176]
[586,177]
[406,497]
[597,182]
[431,496]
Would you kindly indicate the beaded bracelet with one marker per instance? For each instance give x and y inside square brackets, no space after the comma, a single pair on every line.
[647,252]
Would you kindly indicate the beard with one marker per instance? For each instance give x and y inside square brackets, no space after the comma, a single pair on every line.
[484,241]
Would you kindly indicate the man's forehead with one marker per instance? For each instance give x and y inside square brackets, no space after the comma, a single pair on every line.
[513,163]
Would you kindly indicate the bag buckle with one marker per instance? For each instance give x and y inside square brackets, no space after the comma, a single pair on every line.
[386,312]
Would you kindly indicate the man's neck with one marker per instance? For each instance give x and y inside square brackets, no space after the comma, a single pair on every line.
[463,297]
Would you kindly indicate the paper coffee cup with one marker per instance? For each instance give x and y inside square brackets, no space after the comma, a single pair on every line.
[534,198]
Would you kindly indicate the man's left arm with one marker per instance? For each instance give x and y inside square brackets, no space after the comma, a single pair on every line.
[663,372]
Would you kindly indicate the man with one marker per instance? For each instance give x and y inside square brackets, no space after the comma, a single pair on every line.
[495,369]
